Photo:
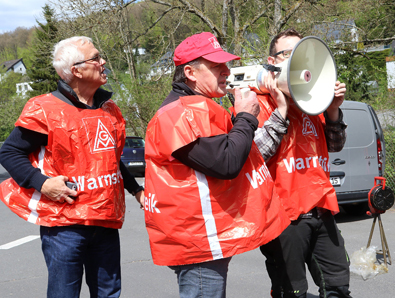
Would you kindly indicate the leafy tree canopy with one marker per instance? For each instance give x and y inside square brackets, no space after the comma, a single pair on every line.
[43,75]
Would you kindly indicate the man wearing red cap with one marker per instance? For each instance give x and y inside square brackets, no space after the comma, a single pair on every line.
[208,190]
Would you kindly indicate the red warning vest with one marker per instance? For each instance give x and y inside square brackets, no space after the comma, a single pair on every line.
[83,144]
[300,167]
[191,217]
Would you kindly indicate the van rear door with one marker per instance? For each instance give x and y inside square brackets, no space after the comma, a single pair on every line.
[353,169]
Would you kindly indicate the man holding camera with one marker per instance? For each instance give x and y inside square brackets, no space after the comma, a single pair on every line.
[298,161]
[73,135]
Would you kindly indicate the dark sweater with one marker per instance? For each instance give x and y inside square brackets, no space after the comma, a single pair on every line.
[21,142]
[221,156]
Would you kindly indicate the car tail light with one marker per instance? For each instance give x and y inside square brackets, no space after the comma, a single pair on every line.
[379,155]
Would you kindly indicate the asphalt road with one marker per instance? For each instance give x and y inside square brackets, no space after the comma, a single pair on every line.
[23,272]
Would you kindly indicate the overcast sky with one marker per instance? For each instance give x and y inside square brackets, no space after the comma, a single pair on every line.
[20,13]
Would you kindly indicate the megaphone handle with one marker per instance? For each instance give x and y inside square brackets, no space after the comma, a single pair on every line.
[244,92]
[382,179]
[271,68]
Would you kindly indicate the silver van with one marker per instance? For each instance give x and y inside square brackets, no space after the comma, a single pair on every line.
[353,169]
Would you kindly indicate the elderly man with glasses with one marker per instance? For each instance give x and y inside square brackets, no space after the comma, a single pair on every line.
[73,136]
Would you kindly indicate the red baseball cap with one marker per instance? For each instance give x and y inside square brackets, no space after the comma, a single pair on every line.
[203,45]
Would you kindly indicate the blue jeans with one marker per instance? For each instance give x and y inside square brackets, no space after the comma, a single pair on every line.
[68,250]
[203,280]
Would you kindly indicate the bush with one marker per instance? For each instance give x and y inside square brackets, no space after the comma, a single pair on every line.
[389,174]
[9,113]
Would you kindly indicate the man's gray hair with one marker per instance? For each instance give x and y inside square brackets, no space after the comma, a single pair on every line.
[66,53]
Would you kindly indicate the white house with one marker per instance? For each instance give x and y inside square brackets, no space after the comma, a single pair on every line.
[16,65]
[163,66]
[23,88]
[390,63]
[336,31]
[140,51]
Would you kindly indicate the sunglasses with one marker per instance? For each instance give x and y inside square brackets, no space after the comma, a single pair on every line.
[97,59]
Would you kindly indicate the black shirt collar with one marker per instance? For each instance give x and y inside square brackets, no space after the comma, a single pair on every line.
[67,94]
[183,89]
[179,90]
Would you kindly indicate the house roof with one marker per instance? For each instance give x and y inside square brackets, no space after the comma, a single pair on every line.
[165,60]
[9,64]
[335,31]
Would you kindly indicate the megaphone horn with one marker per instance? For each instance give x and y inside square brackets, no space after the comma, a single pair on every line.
[308,76]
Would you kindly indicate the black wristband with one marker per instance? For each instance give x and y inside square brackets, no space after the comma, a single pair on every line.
[140,188]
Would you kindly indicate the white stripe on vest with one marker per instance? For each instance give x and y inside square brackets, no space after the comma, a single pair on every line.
[209,220]
[36,195]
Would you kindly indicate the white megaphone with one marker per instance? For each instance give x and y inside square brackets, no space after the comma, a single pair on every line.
[308,76]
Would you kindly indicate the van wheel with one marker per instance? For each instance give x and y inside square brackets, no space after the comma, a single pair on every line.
[356,209]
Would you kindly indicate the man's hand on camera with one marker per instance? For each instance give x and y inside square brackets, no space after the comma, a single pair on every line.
[56,190]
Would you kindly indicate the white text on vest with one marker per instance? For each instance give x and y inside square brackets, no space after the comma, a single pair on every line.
[307,162]
[258,177]
[96,182]
[149,203]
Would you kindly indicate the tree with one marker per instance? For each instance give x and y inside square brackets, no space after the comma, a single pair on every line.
[8,83]
[140,103]
[12,42]
[42,73]
[363,71]
[244,27]
[11,104]
[116,36]
[9,113]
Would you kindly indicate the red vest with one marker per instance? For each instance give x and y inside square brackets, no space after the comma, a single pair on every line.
[300,167]
[191,217]
[83,144]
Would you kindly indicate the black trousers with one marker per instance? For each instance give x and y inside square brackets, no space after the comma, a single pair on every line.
[317,243]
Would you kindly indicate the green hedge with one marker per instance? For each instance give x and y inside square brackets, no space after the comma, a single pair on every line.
[389,174]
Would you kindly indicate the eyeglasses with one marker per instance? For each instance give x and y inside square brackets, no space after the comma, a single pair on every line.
[97,59]
[286,53]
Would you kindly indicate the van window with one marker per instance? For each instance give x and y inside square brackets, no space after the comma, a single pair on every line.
[359,133]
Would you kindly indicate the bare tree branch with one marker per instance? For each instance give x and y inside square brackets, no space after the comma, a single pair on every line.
[289,14]
[127,4]
[192,9]
[225,14]
[259,15]
[154,23]
[162,3]
[369,41]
